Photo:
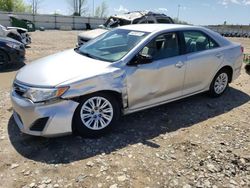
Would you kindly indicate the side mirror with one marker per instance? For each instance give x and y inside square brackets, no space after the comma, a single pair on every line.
[144,59]
[141,59]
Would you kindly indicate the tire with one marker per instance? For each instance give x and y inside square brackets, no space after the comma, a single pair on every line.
[247,67]
[89,120]
[4,58]
[219,84]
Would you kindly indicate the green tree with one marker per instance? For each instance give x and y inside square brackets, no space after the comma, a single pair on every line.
[14,6]
[6,5]
[20,6]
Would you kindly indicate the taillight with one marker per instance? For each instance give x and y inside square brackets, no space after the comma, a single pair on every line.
[242,49]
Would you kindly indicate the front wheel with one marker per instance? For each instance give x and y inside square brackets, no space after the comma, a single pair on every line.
[219,84]
[96,115]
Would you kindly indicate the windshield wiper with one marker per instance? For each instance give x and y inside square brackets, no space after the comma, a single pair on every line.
[86,54]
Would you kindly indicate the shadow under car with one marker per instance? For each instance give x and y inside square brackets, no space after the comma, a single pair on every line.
[135,128]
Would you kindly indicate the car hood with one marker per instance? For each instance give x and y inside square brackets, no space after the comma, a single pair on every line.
[91,34]
[61,67]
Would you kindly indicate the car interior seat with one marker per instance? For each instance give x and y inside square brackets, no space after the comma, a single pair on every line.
[201,43]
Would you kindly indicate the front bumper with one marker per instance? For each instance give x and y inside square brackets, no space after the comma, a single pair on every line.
[57,115]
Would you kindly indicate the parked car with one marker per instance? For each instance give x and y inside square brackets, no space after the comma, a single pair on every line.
[248,34]
[128,69]
[16,33]
[11,51]
[137,17]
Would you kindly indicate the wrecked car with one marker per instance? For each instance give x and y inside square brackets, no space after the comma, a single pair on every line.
[127,69]
[137,17]
[19,34]
[11,51]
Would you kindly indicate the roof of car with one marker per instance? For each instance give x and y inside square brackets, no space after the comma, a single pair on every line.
[156,27]
[137,14]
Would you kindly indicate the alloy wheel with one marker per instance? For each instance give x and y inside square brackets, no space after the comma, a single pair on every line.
[221,83]
[96,113]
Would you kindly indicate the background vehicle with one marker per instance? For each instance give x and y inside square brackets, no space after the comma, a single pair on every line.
[128,69]
[137,17]
[16,33]
[22,23]
[11,51]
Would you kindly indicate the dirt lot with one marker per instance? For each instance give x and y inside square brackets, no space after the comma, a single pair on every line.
[196,142]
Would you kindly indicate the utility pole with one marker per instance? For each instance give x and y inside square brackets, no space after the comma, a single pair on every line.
[93,8]
[178,14]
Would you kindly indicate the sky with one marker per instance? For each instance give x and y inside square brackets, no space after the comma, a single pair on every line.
[198,12]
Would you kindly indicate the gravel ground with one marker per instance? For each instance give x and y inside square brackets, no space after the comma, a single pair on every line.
[195,142]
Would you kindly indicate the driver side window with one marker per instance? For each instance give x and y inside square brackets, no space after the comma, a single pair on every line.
[163,46]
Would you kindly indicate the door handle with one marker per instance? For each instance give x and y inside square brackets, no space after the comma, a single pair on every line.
[179,64]
[219,55]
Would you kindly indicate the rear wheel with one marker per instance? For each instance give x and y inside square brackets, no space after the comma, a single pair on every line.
[3,59]
[219,83]
[96,115]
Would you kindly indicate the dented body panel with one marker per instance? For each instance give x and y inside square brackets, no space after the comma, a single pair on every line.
[140,86]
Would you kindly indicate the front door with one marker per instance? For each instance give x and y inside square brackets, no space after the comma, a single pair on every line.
[160,80]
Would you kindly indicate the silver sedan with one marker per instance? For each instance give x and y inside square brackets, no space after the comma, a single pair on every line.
[125,70]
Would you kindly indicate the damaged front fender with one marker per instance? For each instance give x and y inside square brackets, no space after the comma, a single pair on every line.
[114,82]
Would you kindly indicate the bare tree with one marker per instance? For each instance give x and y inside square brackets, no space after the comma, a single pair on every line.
[35,5]
[102,10]
[78,7]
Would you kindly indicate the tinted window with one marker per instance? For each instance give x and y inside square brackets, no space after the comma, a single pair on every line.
[197,41]
[163,46]
[163,20]
[151,21]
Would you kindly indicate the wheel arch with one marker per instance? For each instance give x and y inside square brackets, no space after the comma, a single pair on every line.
[229,70]
[78,99]
[116,94]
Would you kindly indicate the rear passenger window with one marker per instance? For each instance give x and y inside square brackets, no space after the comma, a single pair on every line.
[163,20]
[197,41]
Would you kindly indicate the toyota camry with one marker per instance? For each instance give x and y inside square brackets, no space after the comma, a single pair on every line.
[128,69]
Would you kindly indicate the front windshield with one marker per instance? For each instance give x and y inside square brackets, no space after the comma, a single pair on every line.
[113,45]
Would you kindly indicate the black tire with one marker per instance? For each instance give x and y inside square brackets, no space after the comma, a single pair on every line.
[212,90]
[80,128]
[247,67]
[4,59]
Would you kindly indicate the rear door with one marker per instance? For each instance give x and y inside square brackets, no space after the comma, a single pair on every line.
[204,56]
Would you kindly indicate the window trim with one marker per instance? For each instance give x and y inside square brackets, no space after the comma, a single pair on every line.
[199,31]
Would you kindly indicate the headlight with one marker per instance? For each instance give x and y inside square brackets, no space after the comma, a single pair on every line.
[13,45]
[44,94]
